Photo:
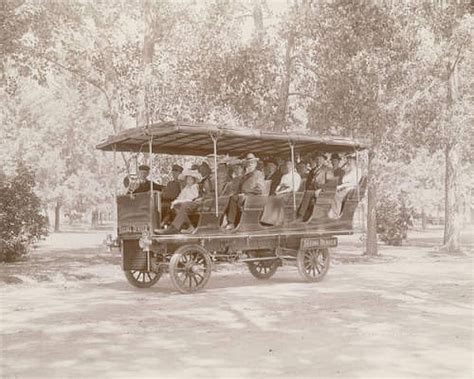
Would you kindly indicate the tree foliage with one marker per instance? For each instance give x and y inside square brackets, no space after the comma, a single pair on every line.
[22,220]
[74,72]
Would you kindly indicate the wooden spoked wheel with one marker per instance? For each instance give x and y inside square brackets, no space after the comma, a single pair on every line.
[313,264]
[142,278]
[263,269]
[190,268]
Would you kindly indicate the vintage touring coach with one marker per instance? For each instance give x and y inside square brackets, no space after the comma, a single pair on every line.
[189,258]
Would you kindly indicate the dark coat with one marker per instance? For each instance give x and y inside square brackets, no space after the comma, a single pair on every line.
[275,181]
[252,183]
[145,187]
[339,174]
[172,190]
[316,178]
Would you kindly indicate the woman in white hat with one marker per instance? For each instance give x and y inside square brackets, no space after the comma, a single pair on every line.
[184,204]
[190,191]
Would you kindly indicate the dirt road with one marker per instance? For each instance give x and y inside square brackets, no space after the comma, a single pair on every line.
[70,313]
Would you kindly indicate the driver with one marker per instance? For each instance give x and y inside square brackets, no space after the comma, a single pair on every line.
[143,183]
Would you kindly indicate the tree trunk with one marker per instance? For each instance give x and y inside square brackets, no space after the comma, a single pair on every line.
[371,242]
[258,19]
[57,216]
[281,111]
[143,115]
[452,217]
[94,218]
[423,218]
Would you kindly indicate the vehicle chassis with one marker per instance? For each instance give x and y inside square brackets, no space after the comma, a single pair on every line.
[190,259]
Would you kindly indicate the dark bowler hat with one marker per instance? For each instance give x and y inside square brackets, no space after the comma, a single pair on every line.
[335,156]
[177,168]
[143,167]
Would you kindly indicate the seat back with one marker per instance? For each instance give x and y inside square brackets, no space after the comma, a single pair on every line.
[358,193]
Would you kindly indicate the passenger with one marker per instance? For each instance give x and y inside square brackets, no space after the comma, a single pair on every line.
[337,171]
[303,171]
[206,185]
[170,192]
[252,182]
[232,187]
[173,188]
[222,175]
[190,192]
[348,183]
[184,204]
[316,179]
[274,212]
[319,172]
[143,183]
[272,173]
[290,180]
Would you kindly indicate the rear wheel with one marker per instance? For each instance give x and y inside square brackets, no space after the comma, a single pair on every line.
[313,264]
[263,269]
[190,268]
[142,278]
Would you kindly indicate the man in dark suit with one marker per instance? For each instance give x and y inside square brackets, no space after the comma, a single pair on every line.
[252,182]
[318,174]
[316,178]
[337,171]
[173,188]
[272,173]
[144,185]
[170,192]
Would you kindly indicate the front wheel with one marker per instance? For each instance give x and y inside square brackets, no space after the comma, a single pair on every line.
[142,278]
[313,264]
[190,268]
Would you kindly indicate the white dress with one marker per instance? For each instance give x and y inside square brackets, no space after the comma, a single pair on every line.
[188,193]
[349,182]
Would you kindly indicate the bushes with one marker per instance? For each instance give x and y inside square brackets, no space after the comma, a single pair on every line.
[20,213]
[393,219]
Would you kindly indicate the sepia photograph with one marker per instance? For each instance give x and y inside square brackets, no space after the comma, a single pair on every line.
[237,189]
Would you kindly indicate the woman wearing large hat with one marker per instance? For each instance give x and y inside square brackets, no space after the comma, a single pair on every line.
[185,203]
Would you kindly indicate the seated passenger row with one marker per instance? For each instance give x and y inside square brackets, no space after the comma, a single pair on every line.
[240,177]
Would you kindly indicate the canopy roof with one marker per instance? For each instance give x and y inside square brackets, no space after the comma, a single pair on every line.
[195,139]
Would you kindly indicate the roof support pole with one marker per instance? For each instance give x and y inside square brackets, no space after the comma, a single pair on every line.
[216,195]
[115,192]
[292,148]
[357,175]
[361,206]
[152,202]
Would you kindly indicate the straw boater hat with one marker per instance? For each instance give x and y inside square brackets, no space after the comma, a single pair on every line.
[193,173]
